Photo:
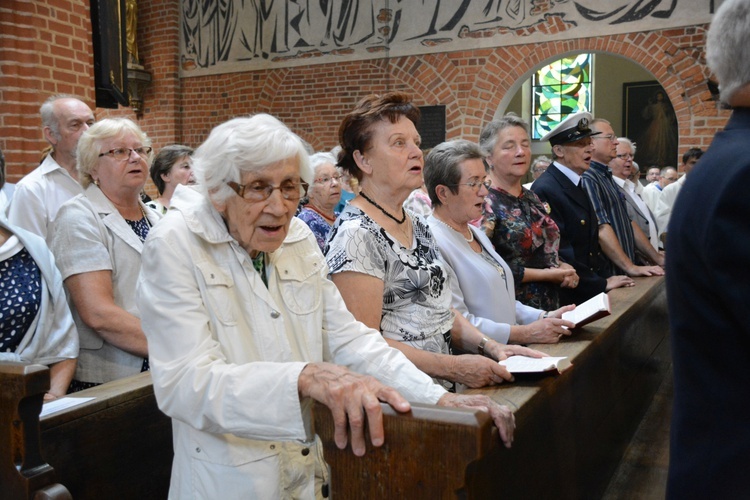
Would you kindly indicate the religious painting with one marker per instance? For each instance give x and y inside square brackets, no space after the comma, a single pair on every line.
[650,121]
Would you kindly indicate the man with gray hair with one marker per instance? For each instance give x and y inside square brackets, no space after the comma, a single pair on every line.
[708,283]
[40,193]
[538,167]
[618,237]
[622,166]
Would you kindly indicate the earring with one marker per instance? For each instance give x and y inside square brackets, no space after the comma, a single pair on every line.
[96,182]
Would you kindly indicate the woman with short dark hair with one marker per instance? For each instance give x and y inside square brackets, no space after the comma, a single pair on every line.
[481,282]
[170,168]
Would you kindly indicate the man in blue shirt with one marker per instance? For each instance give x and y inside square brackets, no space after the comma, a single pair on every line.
[618,235]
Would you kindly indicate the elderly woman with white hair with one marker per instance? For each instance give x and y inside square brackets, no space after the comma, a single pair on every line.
[322,197]
[97,242]
[245,329]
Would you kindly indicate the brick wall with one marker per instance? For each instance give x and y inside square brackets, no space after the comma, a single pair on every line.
[471,84]
[47,50]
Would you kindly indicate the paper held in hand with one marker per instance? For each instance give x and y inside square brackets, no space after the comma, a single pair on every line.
[591,310]
[525,364]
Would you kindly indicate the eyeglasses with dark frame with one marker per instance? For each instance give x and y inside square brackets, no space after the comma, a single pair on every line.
[486,182]
[121,154]
[260,191]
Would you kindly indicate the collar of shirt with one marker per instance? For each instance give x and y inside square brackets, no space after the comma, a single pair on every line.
[574,177]
[624,183]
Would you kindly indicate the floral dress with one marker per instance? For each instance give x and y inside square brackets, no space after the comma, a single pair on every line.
[416,295]
[525,236]
[317,224]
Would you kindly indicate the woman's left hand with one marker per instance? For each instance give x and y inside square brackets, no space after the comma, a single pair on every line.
[557,313]
[500,351]
[501,415]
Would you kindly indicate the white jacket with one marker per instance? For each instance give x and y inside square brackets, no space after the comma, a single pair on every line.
[226,353]
[666,202]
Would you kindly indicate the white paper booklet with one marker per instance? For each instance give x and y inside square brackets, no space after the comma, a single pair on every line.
[591,310]
[62,404]
[525,364]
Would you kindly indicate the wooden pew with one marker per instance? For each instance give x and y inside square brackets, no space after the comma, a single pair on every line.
[119,445]
[572,429]
[424,456]
[23,472]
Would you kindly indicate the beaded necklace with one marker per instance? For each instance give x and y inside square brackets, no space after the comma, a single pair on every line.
[403,212]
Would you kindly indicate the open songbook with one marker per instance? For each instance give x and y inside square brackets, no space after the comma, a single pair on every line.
[525,364]
[591,310]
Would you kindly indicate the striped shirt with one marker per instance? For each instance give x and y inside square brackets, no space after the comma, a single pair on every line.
[610,206]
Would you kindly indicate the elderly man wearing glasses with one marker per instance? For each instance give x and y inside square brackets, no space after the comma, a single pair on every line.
[622,167]
[619,236]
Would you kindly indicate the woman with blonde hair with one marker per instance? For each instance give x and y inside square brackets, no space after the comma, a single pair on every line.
[97,243]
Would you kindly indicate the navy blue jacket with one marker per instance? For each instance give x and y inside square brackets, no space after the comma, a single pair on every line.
[571,209]
[708,291]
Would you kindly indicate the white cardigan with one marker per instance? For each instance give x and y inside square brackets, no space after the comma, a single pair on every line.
[478,290]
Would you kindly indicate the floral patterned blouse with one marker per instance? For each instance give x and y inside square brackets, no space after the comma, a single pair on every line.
[317,224]
[416,295]
[525,236]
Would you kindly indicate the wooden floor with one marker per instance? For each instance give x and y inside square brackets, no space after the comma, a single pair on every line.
[642,474]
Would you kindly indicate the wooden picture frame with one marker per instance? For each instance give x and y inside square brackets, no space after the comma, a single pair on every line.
[650,121]
[109,37]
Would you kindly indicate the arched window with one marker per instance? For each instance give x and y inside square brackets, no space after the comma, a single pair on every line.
[559,89]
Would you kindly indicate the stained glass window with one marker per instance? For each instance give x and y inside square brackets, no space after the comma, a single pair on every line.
[559,89]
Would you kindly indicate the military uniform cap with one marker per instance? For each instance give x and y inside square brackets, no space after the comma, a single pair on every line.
[574,127]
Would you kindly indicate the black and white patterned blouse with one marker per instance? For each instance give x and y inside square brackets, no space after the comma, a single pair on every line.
[416,295]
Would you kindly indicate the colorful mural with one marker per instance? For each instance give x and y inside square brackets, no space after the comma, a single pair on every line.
[242,35]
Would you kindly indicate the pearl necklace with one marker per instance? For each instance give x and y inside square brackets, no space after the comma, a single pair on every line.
[468,240]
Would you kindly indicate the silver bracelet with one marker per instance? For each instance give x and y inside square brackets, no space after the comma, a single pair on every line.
[482,343]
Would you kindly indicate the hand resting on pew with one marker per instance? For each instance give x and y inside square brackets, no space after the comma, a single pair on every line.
[351,396]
